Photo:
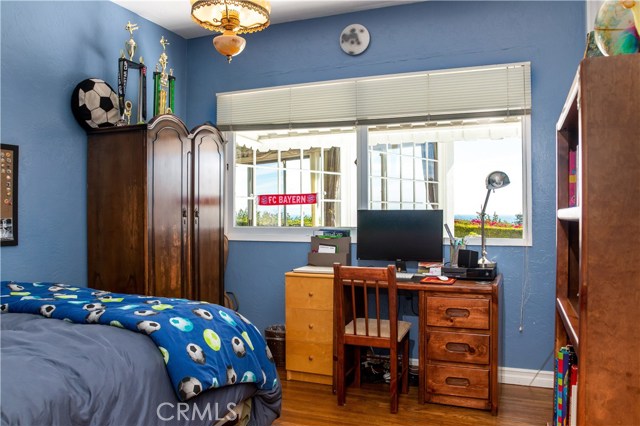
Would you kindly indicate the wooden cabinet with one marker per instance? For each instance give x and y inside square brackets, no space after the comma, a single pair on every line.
[309,327]
[459,338]
[155,208]
[598,261]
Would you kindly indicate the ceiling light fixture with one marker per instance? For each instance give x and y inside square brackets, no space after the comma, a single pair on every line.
[231,17]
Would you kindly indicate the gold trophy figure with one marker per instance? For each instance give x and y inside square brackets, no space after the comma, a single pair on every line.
[163,83]
[130,45]
[127,111]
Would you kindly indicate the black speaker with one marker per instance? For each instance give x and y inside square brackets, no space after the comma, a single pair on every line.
[468,259]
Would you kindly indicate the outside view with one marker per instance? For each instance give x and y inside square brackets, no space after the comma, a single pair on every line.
[406,175]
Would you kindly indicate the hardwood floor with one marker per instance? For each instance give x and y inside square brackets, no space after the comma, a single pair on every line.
[307,404]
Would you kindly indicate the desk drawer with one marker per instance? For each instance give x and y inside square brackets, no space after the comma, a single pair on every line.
[458,347]
[309,293]
[310,357]
[458,312]
[458,381]
[309,325]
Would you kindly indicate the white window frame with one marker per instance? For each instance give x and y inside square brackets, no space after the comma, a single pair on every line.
[302,234]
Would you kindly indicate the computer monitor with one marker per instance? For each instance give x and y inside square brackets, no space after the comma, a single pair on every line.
[400,235]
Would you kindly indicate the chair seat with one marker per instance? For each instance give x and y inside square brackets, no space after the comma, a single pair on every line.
[403,328]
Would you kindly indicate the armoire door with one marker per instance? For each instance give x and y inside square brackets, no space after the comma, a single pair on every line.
[208,233]
[116,209]
[169,208]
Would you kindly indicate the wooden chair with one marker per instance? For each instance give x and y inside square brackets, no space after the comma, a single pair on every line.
[358,324]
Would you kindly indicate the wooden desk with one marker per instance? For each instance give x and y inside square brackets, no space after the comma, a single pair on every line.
[458,335]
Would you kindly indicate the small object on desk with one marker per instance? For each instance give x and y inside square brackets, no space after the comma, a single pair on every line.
[404,276]
[322,248]
[438,280]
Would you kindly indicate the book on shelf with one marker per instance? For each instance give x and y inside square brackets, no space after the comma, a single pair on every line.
[565,364]
[573,396]
[573,179]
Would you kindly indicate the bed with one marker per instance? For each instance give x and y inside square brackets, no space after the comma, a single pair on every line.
[57,369]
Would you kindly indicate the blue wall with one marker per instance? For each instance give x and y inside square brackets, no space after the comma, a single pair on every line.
[424,36]
[48,48]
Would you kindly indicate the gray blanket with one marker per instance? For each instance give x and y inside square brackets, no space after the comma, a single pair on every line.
[54,372]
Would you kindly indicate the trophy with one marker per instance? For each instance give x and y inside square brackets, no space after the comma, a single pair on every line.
[163,84]
[123,73]
[130,45]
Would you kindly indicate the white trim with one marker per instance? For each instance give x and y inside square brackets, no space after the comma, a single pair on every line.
[518,376]
[524,377]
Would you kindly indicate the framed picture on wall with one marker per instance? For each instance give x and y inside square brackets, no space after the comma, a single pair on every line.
[9,195]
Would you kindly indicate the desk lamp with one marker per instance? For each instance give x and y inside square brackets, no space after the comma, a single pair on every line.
[494,181]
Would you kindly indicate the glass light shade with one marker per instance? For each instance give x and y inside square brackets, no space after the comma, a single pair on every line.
[229,44]
[252,15]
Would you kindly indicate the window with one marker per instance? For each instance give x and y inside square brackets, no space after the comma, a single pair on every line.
[317,162]
[403,176]
[308,156]
[414,166]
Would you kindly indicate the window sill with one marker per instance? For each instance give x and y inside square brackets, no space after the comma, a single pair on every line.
[302,235]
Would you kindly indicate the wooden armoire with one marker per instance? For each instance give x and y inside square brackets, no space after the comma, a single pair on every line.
[155,210]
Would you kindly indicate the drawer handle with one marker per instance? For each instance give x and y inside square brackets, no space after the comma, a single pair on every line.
[310,294]
[459,347]
[457,313]
[457,381]
[310,357]
[310,326]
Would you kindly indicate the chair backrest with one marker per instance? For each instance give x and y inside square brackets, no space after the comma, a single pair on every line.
[355,289]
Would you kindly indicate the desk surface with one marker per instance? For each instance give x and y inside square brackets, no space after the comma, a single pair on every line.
[458,286]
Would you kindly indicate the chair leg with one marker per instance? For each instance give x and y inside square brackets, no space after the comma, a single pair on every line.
[356,366]
[405,366]
[340,379]
[393,383]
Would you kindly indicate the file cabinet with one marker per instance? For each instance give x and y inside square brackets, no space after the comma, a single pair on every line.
[309,327]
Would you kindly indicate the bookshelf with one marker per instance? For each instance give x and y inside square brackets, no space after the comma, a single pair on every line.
[598,258]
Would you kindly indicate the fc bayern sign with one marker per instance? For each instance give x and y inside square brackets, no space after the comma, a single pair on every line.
[287,199]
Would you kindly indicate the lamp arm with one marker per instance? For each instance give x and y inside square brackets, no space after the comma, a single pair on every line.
[486,201]
[484,260]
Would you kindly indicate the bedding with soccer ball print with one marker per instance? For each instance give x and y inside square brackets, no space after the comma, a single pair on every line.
[203,345]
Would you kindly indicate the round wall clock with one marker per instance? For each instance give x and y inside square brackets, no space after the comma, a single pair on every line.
[354,39]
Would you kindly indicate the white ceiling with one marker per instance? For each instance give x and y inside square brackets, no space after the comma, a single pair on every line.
[175,16]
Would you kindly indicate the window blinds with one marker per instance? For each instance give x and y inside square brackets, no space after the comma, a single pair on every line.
[453,94]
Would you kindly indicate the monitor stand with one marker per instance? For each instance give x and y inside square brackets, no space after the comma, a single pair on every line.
[401,265]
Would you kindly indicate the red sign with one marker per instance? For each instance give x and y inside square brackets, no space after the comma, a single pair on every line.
[287,199]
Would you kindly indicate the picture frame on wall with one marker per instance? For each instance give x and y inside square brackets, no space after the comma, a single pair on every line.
[9,192]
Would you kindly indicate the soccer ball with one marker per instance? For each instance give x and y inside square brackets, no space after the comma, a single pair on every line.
[4,308]
[152,302]
[94,104]
[203,313]
[189,387]
[232,377]
[93,306]
[181,324]
[15,287]
[94,316]
[145,313]
[196,353]
[238,347]
[148,327]
[47,310]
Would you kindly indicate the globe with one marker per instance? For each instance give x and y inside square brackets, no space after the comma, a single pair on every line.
[615,30]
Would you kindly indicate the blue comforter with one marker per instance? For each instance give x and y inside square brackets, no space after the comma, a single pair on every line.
[203,345]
